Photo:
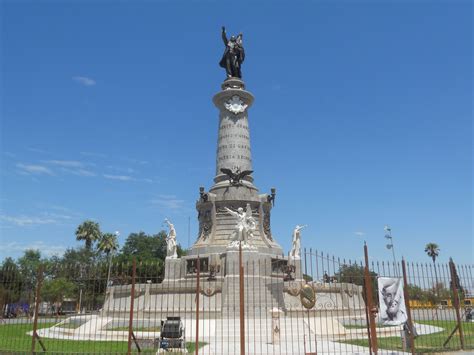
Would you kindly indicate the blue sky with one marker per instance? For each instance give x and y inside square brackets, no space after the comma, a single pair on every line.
[362,117]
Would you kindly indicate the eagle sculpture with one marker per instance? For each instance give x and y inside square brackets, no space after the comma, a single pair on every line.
[236,177]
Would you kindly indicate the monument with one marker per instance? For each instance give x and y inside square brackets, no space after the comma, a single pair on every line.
[234,226]
[232,214]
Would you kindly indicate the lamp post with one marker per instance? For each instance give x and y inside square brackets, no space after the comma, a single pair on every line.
[388,236]
[117,233]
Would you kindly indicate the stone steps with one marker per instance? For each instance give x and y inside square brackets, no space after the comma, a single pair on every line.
[261,295]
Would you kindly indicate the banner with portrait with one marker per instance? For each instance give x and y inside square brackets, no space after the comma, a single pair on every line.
[392,301]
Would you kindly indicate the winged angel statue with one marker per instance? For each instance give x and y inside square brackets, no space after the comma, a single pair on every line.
[244,228]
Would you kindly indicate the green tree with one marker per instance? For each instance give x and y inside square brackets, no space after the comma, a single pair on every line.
[149,250]
[432,250]
[55,291]
[108,244]
[78,256]
[11,282]
[89,231]
[416,293]
[29,265]
[144,247]
[354,274]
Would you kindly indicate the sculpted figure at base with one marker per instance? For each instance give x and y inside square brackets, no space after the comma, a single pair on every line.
[244,228]
[233,56]
[171,245]
[295,252]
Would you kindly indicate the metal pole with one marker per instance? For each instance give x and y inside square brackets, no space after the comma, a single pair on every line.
[452,270]
[407,306]
[37,301]
[395,261]
[189,232]
[132,300]
[393,249]
[108,273]
[242,313]
[197,305]
[388,230]
[367,319]
[309,327]
[370,305]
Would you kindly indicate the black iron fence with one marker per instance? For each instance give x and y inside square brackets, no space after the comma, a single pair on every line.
[254,304]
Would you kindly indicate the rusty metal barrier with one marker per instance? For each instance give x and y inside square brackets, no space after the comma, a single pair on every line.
[315,304]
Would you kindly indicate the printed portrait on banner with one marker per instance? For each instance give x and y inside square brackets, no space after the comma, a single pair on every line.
[392,301]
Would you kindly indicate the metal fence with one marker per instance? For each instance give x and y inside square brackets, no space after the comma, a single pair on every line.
[318,304]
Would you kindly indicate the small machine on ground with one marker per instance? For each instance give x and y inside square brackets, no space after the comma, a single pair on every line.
[172,335]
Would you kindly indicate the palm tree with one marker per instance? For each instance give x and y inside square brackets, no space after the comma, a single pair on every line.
[89,231]
[108,244]
[432,250]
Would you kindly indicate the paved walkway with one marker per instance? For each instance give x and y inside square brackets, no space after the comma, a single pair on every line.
[297,335]
[223,337]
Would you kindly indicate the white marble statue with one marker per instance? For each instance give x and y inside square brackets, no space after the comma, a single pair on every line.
[295,252]
[244,227]
[171,246]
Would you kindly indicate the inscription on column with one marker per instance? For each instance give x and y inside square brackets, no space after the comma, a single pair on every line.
[233,148]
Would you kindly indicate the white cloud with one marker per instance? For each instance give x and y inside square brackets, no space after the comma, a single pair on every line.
[37,150]
[72,167]
[121,169]
[169,202]
[57,216]
[126,178]
[28,221]
[34,169]
[119,177]
[83,80]
[79,172]
[359,234]
[92,154]
[48,249]
[136,161]
[66,163]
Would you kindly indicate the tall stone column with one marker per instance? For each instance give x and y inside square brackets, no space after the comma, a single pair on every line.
[216,224]
[233,143]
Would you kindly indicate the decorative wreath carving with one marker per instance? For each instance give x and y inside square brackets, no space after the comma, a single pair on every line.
[235,105]
[294,288]
[210,291]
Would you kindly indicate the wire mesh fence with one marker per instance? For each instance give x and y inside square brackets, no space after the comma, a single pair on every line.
[241,303]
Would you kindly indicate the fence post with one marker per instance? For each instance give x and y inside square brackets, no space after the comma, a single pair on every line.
[198,291]
[367,319]
[370,304]
[39,282]
[132,301]
[454,284]
[242,302]
[407,306]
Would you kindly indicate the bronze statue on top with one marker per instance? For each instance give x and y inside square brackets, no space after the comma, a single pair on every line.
[233,56]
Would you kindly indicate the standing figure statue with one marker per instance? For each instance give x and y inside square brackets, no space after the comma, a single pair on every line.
[233,56]
[295,252]
[244,228]
[171,245]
